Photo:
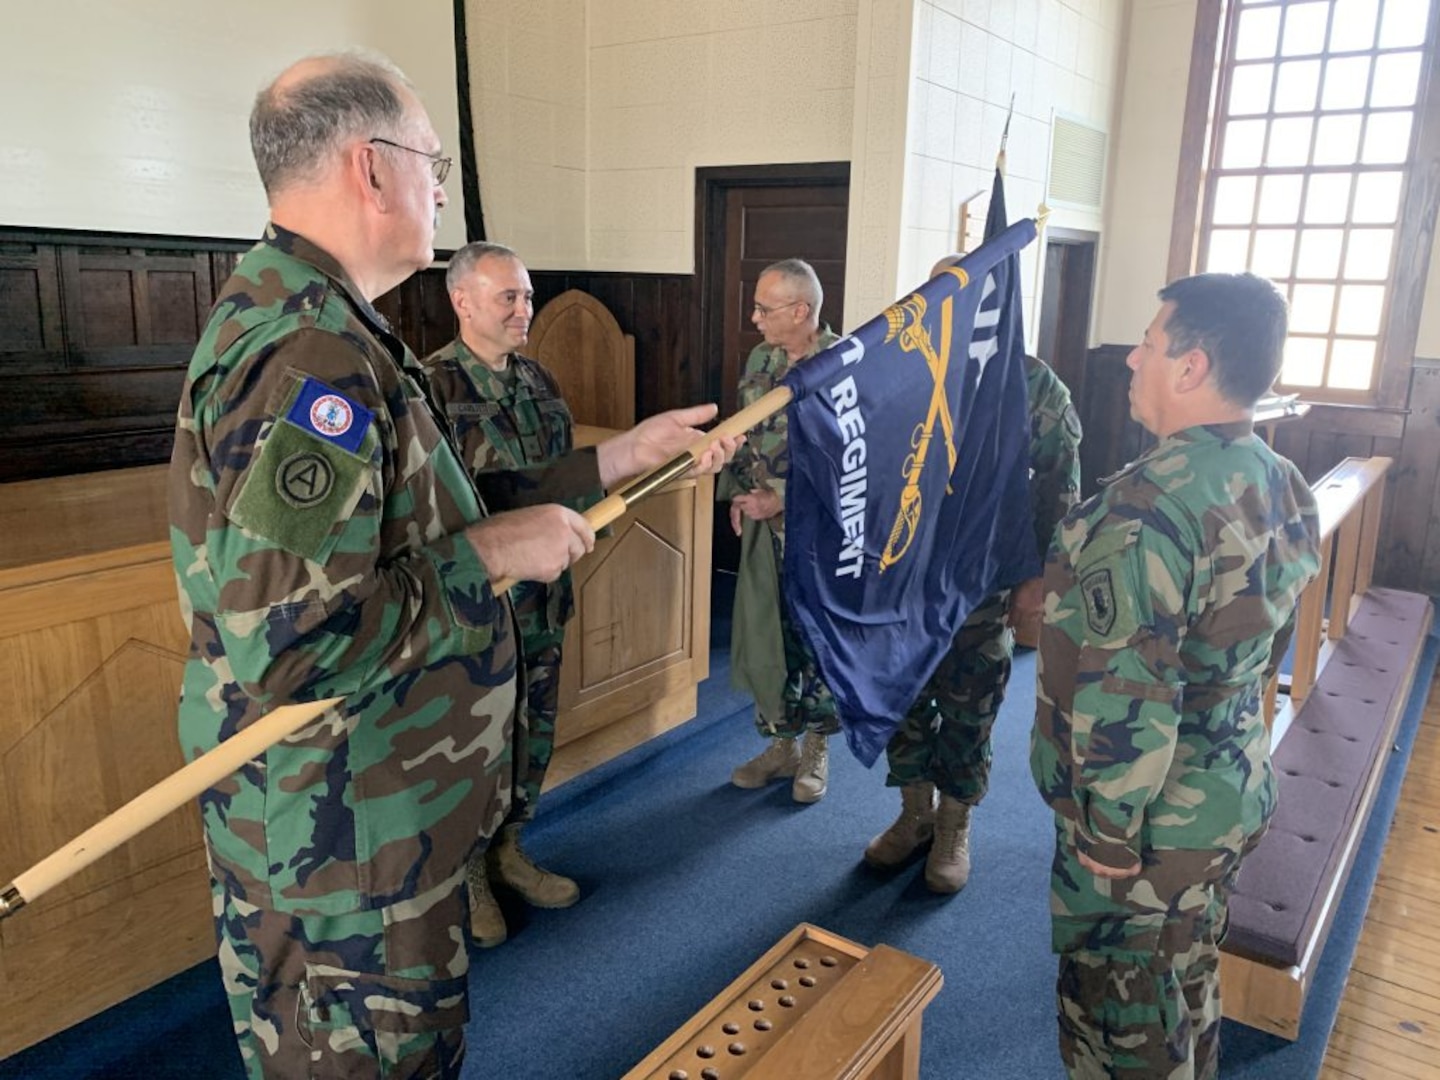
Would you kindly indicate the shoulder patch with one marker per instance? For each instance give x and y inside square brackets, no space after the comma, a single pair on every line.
[1098,588]
[304,479]
[296,471]
[331,415]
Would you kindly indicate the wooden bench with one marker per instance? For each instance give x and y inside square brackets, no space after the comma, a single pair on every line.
[814,1007]
[1353,673]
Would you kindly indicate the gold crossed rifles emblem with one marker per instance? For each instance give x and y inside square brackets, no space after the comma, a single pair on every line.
[907,322]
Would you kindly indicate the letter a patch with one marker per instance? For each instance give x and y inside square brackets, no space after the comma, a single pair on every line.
[1099,592]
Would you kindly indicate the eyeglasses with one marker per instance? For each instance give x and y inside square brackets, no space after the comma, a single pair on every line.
[439,166]
[765,312]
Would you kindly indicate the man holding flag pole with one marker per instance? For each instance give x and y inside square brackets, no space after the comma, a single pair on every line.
[904,442]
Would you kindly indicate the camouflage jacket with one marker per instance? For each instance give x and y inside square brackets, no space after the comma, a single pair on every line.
[515,435]
[1169,600]
[1054,450]
[315,510]
[764,459]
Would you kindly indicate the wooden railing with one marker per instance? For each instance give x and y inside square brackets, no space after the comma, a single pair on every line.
[1349,499]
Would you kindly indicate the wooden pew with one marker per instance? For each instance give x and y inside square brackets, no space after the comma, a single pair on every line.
[1356,653]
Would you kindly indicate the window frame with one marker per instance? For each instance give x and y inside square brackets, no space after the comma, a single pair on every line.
[1419,199]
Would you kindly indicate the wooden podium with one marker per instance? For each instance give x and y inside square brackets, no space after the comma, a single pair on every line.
[92,648]
[815,1007]
[91,653]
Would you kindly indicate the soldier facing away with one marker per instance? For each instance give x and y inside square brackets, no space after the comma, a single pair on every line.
[1170,599]
[328,543]
[515,436]
[939,756]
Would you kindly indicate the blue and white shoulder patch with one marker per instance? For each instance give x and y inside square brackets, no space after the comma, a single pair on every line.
[331,415]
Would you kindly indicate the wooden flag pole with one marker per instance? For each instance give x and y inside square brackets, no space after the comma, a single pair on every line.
[213,766]
[154,803]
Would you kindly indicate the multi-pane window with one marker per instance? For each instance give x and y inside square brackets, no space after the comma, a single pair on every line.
[1313,135]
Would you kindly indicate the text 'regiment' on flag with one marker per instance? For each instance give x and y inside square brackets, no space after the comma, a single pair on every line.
[908,500]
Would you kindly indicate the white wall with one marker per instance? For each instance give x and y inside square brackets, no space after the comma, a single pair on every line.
[969,57]
[131,115]
[883,88]
[591,117]
[1144,167]
[1428,345]
[529,99]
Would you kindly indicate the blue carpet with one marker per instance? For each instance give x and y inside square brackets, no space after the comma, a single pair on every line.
[687,880]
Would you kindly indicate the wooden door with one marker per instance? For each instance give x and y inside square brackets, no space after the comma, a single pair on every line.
[1099,392]
[754,216]
[762,226]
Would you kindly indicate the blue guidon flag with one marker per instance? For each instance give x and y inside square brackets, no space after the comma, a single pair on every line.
[908,498]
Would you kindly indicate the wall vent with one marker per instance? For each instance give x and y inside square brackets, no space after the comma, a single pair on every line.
[1077,163]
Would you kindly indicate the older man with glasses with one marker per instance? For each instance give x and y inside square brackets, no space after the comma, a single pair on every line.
[328,542]
[793,706]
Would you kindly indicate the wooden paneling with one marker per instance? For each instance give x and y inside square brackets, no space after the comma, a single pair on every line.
[1409,541]
[95,333]
[659,311]
[579,342]
[91,651]
[420,313]
[1111,438]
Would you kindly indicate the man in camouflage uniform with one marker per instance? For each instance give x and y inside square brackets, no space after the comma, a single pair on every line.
[795,701]
[514,435]
[942,747]
[1169,602]
[328,543]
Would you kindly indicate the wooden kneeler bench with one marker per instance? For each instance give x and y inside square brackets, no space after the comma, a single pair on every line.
[814,1007]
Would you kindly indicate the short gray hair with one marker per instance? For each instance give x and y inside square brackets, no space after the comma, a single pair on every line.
[464,261]
[295,129]
[801,276]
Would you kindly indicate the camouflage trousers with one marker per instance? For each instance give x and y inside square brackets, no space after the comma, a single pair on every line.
[945,737]
[379,994]
[1138,991]
[535,738]
[809,705]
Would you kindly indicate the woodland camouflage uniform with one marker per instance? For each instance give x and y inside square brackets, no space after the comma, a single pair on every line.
[1170,598]
[316,513]
[764,461]
[515,435]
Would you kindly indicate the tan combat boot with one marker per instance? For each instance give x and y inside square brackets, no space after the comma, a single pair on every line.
[511,867]
[812,777]
[779,760]
[487,923]
[947,868]
[910,833]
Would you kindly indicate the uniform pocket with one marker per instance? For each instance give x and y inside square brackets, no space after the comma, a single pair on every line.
[352,1016]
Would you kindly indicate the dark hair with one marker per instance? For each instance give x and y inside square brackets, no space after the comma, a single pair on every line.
[468,257]
[295,129]
[1238,320]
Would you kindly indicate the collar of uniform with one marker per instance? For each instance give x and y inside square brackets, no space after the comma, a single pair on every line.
[297,247]
[488,382]
[1191,436]
[824,338]
[1228,432]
